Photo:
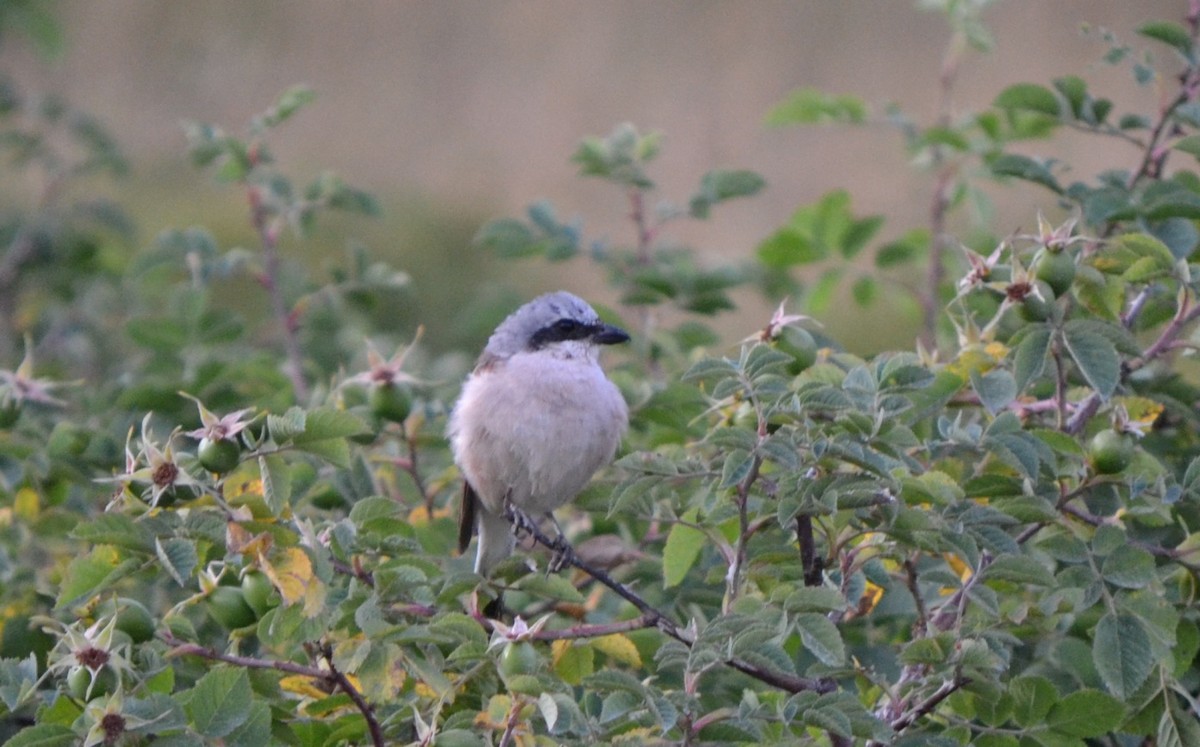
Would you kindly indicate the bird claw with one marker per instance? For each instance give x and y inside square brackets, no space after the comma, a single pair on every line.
[563,555]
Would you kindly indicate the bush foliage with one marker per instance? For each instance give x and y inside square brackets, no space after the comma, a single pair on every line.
[217,527]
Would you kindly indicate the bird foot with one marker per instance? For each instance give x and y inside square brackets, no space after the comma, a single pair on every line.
[563,555]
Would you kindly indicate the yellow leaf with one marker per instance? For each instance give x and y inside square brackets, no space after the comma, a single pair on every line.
[420,517]
[291,572]
[425,691]
[26,504]
[241,541]
[959,567]
[496,715]
[302,685]
[619,647]
[1141,410]
[870,598]
[244,487]
[558,648]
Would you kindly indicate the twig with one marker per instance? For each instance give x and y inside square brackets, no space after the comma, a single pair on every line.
[733,581]
[346,686]
[331,675]
[268,236]
[655,618]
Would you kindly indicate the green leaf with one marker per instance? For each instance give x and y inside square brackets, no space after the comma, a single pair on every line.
[821,638]
[508,238]
[681,550]
[1178,726]
[254,731]
[811,106]
[1024,167]
[1122,653]
[115,529]
[1032,697]
[1097,359]
[156,333]
[1086,713]
[1189,145]
[912,244]
[1028,97]
[552,586]
[864,290]
[1128,567]
[276,482]
[220,702]
[1029,359]
[288,103]
[996,388]
[1019,569]
[717,186]
[1169,33]
[859,234]
[89,574]
[787,247]
[44,735]
[575,662]
[178,556]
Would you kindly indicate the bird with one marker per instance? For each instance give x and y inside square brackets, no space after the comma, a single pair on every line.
[536,418]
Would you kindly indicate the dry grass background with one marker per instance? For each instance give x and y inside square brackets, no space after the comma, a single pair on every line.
[456,111]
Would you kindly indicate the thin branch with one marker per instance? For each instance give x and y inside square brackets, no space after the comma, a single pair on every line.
[655,618]
[925,707]
[346,686]
[331,676]
[268,236]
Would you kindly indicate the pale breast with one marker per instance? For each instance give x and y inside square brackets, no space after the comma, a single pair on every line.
[536,429]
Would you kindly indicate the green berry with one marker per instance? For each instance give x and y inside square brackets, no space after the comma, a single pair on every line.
[227,605]
[257,590]
[1110,452]
[134,620]
[391,401]
[800,345]
[80,678]
[519,658]
[219,455]
[1056,269]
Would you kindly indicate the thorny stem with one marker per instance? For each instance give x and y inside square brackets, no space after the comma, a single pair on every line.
[652,617]
[331,675]
[1060,384]
[939,240]
[410,466]
[733,580]
[1184,315]
[268,236]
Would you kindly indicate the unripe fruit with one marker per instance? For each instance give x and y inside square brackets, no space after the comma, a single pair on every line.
[257,590]
[1056,269]
[134,620]
[219,455]
[227,605]
[1110,452]
[800,345]
[10,412]
[80,677]
[391,401]
[67,440]
[518,658]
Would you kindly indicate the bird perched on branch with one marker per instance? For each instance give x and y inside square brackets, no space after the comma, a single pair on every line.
[535,420]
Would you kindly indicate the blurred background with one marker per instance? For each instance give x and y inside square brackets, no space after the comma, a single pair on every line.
[454,112]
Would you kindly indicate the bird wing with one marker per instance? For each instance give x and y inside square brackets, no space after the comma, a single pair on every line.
[466,516]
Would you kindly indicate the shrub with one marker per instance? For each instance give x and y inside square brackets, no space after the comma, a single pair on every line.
[988,540]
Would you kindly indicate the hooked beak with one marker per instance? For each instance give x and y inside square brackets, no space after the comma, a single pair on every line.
[607,334]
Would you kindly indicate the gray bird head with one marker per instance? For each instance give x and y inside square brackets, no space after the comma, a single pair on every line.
[546,321]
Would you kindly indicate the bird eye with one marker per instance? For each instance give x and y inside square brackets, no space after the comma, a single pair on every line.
[566,325]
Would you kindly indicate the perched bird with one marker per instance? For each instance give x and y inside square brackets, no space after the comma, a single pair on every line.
[535,420]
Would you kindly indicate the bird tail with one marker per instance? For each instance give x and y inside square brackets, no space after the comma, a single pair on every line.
[496,541]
